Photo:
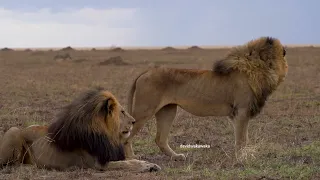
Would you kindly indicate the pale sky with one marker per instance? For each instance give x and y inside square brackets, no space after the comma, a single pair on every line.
[105,23]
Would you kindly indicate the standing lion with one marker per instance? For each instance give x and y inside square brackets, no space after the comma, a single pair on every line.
[237,86]
[88,133]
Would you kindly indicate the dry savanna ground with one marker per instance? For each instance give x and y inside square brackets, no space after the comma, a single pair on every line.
[284,137]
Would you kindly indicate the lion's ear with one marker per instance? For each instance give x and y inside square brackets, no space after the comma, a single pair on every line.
[108,106]
[267,50]
[284,53]
[224,66]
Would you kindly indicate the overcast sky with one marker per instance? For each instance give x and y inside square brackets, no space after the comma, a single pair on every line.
[80,23]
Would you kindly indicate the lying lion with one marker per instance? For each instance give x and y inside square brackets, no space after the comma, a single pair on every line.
[237,86]
[88,133]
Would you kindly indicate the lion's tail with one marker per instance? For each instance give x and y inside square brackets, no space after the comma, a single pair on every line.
[131,92]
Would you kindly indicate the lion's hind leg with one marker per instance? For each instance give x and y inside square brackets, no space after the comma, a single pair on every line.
[165,117]
[133,165]
[11,147]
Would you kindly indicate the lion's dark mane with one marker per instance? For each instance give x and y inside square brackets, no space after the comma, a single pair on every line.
[72,131]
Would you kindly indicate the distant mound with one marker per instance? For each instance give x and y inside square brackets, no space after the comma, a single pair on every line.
[194,48]
[93,49]
[169,48]
[6,49]
[67,49]
[28,50]
[117,49]
[116,60]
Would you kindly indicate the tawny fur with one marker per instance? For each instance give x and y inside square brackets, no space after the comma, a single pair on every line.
[88,133]
[237,86]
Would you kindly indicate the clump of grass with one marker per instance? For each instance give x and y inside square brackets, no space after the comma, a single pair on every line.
[145,146]
[297,163]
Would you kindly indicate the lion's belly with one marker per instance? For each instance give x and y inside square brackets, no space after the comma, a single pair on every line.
[202,96]
[204,108]
[209,101]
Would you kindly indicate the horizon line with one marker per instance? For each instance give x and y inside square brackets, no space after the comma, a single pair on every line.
[146,47]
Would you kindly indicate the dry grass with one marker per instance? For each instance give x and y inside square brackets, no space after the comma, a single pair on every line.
[284,137]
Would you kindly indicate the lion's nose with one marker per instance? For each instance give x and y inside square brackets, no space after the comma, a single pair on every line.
[133,121]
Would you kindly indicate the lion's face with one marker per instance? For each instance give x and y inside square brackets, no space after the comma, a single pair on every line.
[126,124]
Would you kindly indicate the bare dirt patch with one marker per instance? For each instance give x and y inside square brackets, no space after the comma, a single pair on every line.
[62,57]
[115,60]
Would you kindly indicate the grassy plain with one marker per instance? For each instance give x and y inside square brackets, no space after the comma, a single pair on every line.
[285,137]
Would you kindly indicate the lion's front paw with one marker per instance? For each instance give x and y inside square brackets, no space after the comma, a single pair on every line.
[150,167]
[178,157]
[144,166]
